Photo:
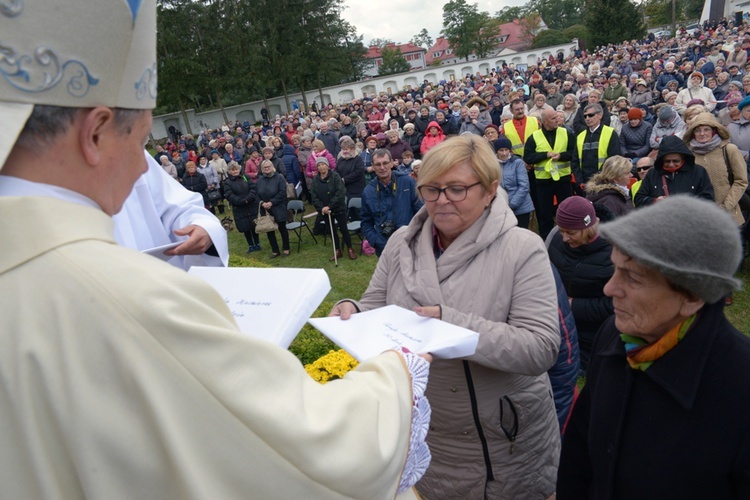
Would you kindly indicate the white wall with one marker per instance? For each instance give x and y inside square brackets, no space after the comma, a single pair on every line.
[342,94]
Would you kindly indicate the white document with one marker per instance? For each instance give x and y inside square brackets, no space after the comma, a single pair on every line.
[368,334]
[269,303]
[158,252]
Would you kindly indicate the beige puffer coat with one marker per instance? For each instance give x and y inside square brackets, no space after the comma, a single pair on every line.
[726,196]
[495,279]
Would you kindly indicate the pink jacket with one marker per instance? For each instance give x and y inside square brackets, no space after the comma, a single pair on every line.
[312,169]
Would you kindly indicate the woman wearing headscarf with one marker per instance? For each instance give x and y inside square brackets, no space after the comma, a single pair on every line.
[609,187]
[462,259]
[708,140]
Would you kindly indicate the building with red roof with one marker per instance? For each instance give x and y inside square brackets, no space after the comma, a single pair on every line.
[509,38]
[413,54]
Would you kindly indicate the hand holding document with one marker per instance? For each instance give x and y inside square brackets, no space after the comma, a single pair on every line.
[272,304]
[158,252]
[368,334]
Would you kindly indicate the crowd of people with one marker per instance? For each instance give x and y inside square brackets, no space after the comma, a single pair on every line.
[580,142]
[133,381]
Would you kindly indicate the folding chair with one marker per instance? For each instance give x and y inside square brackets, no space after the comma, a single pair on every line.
[298,208]
[355,227]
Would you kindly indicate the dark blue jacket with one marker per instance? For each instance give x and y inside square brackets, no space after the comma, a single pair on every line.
[398,201]
[564,374]
[291,163]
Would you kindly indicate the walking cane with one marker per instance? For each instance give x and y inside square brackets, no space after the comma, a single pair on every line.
[333,241]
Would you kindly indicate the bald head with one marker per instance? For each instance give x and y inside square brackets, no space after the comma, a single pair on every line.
[549,119]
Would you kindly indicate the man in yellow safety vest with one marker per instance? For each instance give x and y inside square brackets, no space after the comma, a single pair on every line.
[518,130]
[594,145]
[550,150]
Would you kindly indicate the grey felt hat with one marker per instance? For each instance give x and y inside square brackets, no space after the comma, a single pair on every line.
[692,242]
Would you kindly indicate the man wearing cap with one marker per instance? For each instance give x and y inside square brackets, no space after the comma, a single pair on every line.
[550,150]
[695,90]
[635,135]
[663,412]
[594,145]
[121,376]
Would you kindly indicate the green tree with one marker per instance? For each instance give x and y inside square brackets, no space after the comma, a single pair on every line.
[508,14]
[612,21]
[467,30]
[381,42]
[393,62]
[558,14]
[547,38]
[578,32]
[422,39]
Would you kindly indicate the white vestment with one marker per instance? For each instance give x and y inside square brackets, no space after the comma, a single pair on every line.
[156,207]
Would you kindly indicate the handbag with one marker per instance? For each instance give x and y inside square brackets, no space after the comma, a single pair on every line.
[265,223]
[214,196]
[291,193]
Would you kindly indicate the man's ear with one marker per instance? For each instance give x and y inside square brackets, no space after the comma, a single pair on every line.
[96,124]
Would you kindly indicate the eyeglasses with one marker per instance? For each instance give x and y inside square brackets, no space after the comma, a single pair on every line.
[642,169]
[672,162]
[589,115]
[452,193]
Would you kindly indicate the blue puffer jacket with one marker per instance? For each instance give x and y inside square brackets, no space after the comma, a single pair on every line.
[516,184]
[564,374]
[291,163]
[398,201]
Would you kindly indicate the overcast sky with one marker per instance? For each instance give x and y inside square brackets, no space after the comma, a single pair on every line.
[400,20]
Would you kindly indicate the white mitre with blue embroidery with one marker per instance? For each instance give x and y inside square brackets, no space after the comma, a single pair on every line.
[74,53]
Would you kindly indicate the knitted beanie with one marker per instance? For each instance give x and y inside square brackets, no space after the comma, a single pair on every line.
[576,213]
[502,143]
[635,114]
[692,242]
[666,113]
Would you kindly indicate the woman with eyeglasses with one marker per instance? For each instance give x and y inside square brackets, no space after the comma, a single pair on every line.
[462,259]
[674,172]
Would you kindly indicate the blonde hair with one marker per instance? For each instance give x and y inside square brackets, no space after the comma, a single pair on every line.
[614,167]
[318,144]
[267,162]
[471,149]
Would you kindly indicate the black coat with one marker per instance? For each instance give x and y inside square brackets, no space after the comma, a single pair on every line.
[691,179]
[352,172]
[584,272]
[328,192]
[240,193]
[197,184]
[678,430]
[273,189]
[415,142]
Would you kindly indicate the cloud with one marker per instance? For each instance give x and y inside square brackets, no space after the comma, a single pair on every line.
[400,20]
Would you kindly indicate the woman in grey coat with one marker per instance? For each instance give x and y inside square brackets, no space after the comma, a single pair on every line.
[462,259]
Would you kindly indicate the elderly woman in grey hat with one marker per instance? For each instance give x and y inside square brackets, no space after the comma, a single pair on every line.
[739,130]
[664,410]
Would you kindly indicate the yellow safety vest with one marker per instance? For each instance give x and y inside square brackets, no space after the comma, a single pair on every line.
[634,189]
[604,139]
[549,168]
[532,125]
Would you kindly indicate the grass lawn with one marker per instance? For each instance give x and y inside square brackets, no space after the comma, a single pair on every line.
[351,277]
